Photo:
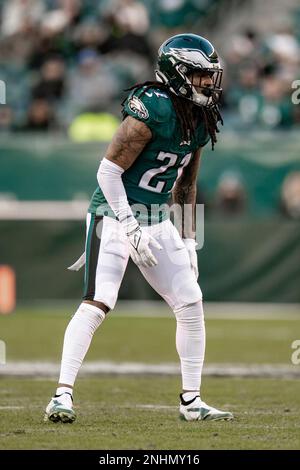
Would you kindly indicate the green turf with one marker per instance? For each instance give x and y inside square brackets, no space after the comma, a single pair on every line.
[39,336]
[142,413]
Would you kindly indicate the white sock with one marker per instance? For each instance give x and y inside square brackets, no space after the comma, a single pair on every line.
[62,390]
[188,396]
[190,344]
[78,337]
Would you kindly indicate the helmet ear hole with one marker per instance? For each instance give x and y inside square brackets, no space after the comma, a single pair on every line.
[182,68]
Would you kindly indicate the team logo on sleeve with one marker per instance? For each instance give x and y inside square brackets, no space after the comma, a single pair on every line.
[138,107]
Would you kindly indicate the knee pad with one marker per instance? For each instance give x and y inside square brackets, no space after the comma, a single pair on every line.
[190,313]
[185,292]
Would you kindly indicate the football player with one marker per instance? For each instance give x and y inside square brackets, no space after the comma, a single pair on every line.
[155,153]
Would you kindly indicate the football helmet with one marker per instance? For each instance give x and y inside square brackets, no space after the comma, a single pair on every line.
[183,60]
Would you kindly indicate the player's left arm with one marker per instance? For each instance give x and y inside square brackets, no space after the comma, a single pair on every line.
[184,194]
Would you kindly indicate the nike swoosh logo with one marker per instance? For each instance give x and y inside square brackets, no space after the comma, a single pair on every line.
[136,240]
[148,94]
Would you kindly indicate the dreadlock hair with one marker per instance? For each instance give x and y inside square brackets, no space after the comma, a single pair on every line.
[188,114]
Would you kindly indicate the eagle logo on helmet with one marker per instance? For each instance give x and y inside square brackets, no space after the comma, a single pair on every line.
[193,57]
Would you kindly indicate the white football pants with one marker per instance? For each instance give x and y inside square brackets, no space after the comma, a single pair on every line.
[107,255]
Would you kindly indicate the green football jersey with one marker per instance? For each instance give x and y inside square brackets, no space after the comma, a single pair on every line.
[151,178]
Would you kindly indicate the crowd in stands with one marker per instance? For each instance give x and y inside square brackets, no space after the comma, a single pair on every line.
[66,64]
[62,58]
[262,74]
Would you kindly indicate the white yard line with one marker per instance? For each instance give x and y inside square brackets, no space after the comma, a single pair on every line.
[157,309]
[51,369]
[11,408]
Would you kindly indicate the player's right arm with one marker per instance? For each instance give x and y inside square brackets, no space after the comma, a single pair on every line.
[128,142]
[126,145]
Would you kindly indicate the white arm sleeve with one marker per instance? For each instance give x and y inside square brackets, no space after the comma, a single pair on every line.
[110,181]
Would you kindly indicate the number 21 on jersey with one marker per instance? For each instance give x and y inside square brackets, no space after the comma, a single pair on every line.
[170,159]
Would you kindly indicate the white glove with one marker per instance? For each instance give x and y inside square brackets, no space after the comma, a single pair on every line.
[139,247]
[190,245]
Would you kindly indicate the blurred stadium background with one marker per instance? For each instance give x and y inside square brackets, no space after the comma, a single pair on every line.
[64,65]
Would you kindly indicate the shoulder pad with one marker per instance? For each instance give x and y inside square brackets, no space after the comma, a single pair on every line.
[152,105]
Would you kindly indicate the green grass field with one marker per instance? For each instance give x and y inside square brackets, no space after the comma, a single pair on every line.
[38,335]
[141,412]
